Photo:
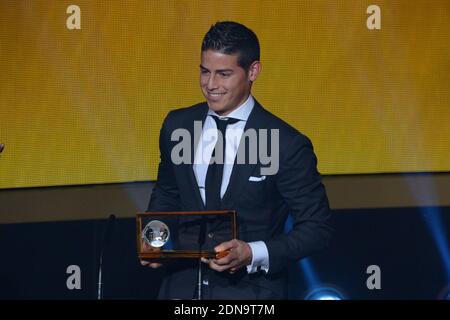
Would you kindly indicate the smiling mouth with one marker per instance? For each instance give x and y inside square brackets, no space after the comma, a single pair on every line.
[216,94]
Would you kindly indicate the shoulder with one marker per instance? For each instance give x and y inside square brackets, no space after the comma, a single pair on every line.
[191,112]
[287,133]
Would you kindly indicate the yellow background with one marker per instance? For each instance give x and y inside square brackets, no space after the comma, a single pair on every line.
[85,106]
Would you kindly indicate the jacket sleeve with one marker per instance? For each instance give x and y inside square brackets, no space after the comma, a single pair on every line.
[165,195]
[300,186]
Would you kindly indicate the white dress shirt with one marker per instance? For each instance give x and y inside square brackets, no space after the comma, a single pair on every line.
[207,141]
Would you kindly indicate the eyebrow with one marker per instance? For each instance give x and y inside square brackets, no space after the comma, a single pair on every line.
[219,70]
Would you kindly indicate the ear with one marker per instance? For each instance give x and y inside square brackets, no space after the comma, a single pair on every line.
[254,70]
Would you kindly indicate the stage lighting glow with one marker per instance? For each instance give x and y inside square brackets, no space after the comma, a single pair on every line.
[433,219]
[325,293]
[445,293]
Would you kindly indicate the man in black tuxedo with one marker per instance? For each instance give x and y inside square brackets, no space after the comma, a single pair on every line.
[263,190]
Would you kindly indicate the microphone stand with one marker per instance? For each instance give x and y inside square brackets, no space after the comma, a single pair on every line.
[201,242]
[199,280]
[106,238]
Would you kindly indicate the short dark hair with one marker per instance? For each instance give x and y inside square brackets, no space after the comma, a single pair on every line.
[231,37]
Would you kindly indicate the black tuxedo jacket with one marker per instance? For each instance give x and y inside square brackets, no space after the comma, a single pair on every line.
[262,208]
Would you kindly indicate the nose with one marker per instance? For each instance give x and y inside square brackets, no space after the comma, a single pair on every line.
[212,83]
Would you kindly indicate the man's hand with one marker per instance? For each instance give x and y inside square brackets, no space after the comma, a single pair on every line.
[153,265]
[147,248]
[239,256]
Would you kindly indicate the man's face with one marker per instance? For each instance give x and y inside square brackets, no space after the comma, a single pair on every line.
[224,83]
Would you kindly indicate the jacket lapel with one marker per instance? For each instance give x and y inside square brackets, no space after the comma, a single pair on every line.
[241,172]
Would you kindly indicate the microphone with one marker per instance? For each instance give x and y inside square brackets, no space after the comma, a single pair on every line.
[106,239]
[2,146]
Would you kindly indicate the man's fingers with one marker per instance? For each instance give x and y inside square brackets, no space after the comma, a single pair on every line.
[228,259]
[231,261]
[238,256]
[220,268]
[226,245]
[221,254]
[232,267]
[144,263]
[153,265]
[213,265]
[204,260]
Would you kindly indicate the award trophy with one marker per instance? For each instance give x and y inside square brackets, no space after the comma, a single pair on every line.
[186,234]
